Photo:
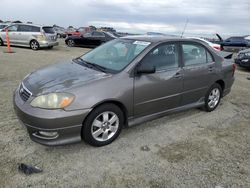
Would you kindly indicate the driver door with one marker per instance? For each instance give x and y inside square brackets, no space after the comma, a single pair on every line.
[159,91]
[13,34]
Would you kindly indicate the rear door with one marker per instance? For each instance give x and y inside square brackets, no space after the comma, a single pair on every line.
[97,38]
[24,33]
[161,90]
[199,72]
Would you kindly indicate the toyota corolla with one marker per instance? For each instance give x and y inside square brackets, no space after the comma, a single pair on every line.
[123,82]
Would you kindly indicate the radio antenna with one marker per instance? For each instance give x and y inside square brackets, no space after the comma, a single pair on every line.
[184,29]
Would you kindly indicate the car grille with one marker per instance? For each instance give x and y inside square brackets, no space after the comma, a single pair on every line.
[24,92]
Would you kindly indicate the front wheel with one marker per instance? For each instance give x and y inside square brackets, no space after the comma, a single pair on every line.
[103,125]
[34,45]
[213,97]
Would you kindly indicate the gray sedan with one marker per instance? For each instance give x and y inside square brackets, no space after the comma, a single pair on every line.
[124,82]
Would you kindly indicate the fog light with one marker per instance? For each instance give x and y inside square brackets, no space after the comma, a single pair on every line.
[48,134]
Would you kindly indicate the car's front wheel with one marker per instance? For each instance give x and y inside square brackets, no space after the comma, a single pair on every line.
[34,45]
[213,97]
[103,125]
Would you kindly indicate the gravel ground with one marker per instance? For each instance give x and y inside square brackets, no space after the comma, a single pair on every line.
[188,149]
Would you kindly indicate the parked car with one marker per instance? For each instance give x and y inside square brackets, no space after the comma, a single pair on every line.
[73,32]
[61,32]
[121,83]
[92,39]
[213,45]
[234,42]
[29,35]
[243,58]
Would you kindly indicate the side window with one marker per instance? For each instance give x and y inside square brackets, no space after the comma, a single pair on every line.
[35,29]
[194,54]
[12,28]
[24,28]
[209,58]
[98,34]
[87,35]
[163,57]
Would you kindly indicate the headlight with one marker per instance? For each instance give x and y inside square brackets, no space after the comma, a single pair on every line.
[247,54]
[53,100]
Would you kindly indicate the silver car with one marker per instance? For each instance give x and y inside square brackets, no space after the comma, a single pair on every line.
[29,35]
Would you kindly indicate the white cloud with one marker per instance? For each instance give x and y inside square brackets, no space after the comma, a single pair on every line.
[169,16]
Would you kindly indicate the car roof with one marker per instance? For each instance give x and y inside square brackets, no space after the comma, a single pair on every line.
[156,39]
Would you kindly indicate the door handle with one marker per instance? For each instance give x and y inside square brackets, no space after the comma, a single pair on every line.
[177,75]
[210,69]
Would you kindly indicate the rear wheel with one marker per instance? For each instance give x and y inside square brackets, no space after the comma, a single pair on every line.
[71,43]
[103,125]
[213,97]
[34,45]
[50,47]
[1,42]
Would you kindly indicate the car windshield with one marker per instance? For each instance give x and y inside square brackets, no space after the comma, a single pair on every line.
[116,54]
[111,35]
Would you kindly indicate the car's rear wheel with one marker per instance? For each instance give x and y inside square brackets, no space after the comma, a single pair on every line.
[34,45]
[213,97]
[103,125]
[71,43]
[50,47]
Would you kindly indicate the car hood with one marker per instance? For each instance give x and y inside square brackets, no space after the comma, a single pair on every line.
[61,77]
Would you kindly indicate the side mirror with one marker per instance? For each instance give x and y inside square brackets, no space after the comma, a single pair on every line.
[145,69]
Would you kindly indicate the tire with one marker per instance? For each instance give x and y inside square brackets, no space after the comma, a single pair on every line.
[71,43]
[34,45]
[103,125]
[213,97]
[59,36]
[50,47]
[1,42]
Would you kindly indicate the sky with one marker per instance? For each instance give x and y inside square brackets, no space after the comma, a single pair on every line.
[203,17]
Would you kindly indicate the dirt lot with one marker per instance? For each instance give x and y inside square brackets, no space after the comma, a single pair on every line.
[188,149]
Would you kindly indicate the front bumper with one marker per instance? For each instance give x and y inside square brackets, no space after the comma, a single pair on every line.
[67,124]
[244,62]
[44,44]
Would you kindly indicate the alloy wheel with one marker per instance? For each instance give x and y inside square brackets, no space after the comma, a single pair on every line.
[34,45]
[214,98]
[71,43]
[105,126]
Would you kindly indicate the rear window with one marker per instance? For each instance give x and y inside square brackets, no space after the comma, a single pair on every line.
[49,30]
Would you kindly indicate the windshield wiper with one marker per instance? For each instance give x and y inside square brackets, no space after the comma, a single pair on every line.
[99,67]
[91,65]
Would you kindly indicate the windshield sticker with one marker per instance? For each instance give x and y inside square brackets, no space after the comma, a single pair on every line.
[143,43]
